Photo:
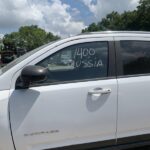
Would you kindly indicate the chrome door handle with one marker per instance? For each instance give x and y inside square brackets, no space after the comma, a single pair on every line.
[99,91]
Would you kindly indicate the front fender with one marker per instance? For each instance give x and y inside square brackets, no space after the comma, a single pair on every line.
[6,142]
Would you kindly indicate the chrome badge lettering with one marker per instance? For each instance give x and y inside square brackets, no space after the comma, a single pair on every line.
[41,133]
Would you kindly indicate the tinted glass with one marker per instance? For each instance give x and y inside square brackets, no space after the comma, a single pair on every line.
[136,57]
[78,62]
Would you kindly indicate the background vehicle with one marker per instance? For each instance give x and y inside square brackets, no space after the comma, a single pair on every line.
[7,57]
[100,99]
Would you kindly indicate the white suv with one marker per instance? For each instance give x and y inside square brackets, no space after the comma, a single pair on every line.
[99,98]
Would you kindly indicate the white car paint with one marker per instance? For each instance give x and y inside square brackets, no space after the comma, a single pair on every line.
[65,114]
[66,111]
[88,122]
[5,133]
[133,101]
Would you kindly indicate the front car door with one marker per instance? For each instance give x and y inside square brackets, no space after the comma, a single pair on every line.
[133,88]
[76,106]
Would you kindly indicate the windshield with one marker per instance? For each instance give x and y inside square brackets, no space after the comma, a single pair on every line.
[21,58]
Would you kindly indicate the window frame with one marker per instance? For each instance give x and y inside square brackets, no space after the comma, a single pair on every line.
[111,60]
[119,60]
[111,73]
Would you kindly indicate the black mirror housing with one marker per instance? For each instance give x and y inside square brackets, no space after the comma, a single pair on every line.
[32,74]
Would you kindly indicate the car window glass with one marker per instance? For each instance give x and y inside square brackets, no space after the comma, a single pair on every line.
[135,56]
[77,62]
[22,58]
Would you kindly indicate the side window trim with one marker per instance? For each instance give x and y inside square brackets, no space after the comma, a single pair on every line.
[119,65]
[111,67]
[58,73]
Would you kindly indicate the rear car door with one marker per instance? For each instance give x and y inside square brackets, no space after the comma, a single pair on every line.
[76,107]
[133,59]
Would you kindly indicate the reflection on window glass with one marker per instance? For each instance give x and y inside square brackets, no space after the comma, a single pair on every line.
[136,57]
[77,62]
[22,58]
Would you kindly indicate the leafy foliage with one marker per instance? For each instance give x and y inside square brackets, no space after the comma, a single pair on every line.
[129,20]
[28,38]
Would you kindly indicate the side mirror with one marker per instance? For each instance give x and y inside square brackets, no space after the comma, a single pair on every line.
[32,74]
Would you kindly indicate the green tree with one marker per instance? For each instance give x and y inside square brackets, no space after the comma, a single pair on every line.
[28,37]
[143,15]
[129,20]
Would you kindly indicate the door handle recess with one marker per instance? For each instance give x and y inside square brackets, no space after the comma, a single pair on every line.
[99,91]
